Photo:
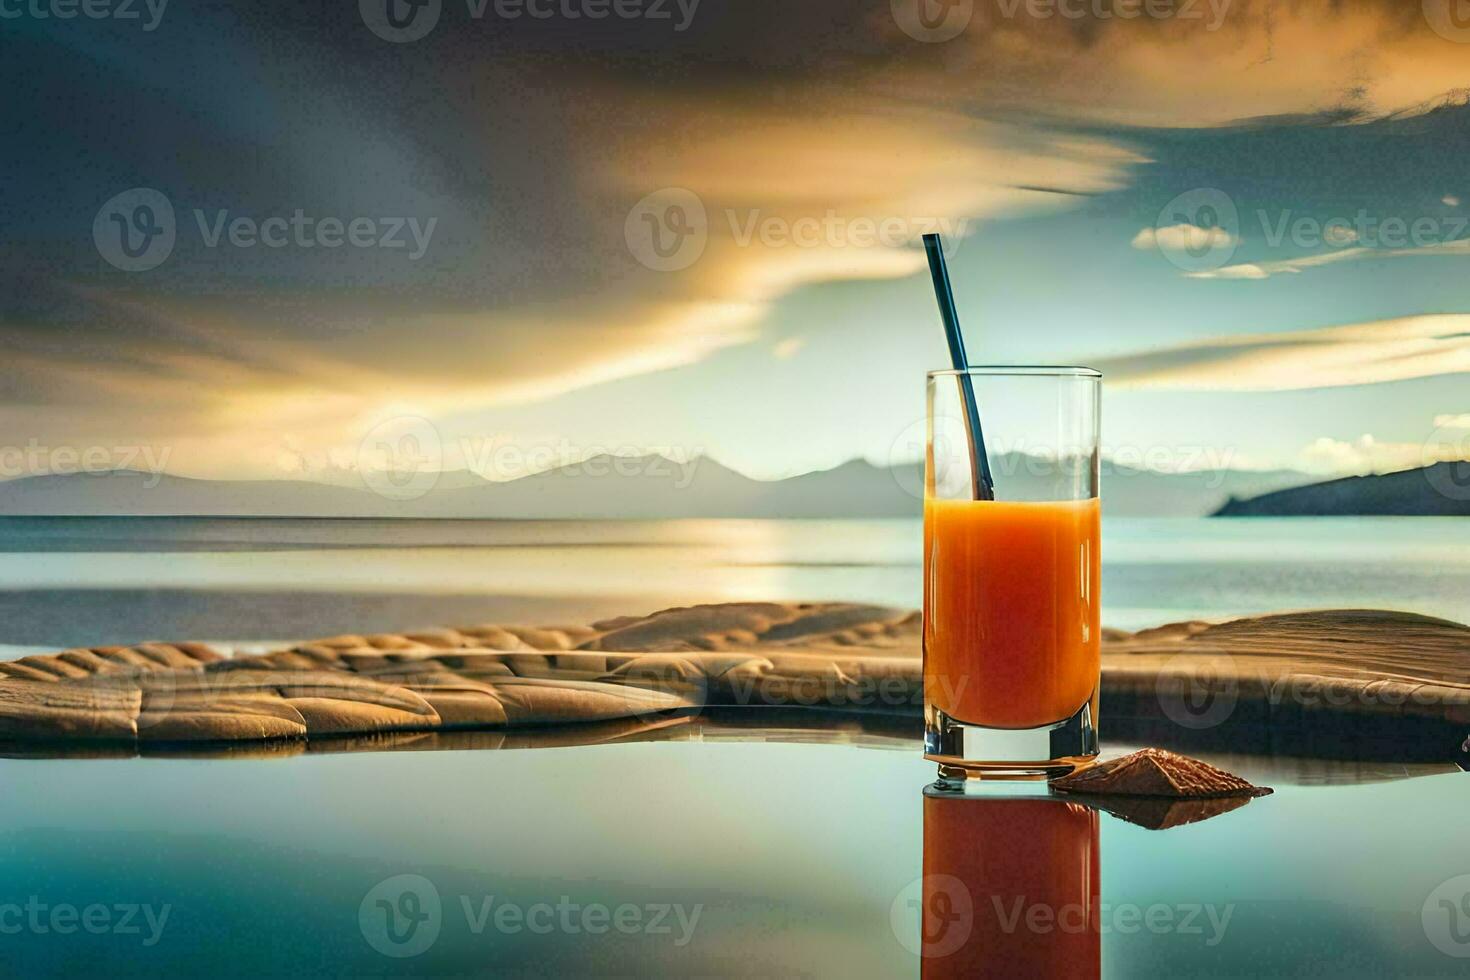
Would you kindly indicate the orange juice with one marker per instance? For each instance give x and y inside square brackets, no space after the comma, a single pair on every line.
[1011,889]
[1010,609]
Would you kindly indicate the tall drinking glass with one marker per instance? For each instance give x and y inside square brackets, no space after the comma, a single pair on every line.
[1011,631]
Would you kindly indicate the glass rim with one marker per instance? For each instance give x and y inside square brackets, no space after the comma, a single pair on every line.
[1019,371]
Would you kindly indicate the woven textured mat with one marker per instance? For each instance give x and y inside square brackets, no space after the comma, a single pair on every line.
[1317,673]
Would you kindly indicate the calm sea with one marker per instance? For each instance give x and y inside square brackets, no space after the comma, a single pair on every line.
[284,866]
[67,581]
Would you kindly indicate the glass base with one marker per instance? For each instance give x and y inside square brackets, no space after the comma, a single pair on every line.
[966,751]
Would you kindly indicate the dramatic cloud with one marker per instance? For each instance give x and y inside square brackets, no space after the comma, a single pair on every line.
[1212,64]
[608,198]
[1355,354]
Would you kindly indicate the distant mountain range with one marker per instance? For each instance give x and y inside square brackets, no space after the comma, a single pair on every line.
[602,487]
[1441,490]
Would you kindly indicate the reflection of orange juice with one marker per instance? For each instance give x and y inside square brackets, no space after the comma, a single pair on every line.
[1010,609]
[1010,889]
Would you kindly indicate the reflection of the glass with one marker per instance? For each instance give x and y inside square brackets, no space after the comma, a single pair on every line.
[1010,887]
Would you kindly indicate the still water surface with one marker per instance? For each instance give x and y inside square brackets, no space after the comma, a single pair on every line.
[800,856]
[69,581]
[800,859]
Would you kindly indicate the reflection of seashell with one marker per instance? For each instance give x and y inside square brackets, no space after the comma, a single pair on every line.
[1157,773]
[1161,813]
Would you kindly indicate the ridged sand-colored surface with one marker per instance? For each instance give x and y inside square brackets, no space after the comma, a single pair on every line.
[1315,672]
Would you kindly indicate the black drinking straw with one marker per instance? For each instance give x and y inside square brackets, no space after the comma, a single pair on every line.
[980,479]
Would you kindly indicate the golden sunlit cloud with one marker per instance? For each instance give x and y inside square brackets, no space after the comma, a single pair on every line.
[1354,354]
[1225,62]
[825,169]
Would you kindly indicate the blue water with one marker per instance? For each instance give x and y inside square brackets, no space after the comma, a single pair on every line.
[74,581]
[795,855]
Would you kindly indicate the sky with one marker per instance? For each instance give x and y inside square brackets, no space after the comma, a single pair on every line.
[254,239]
